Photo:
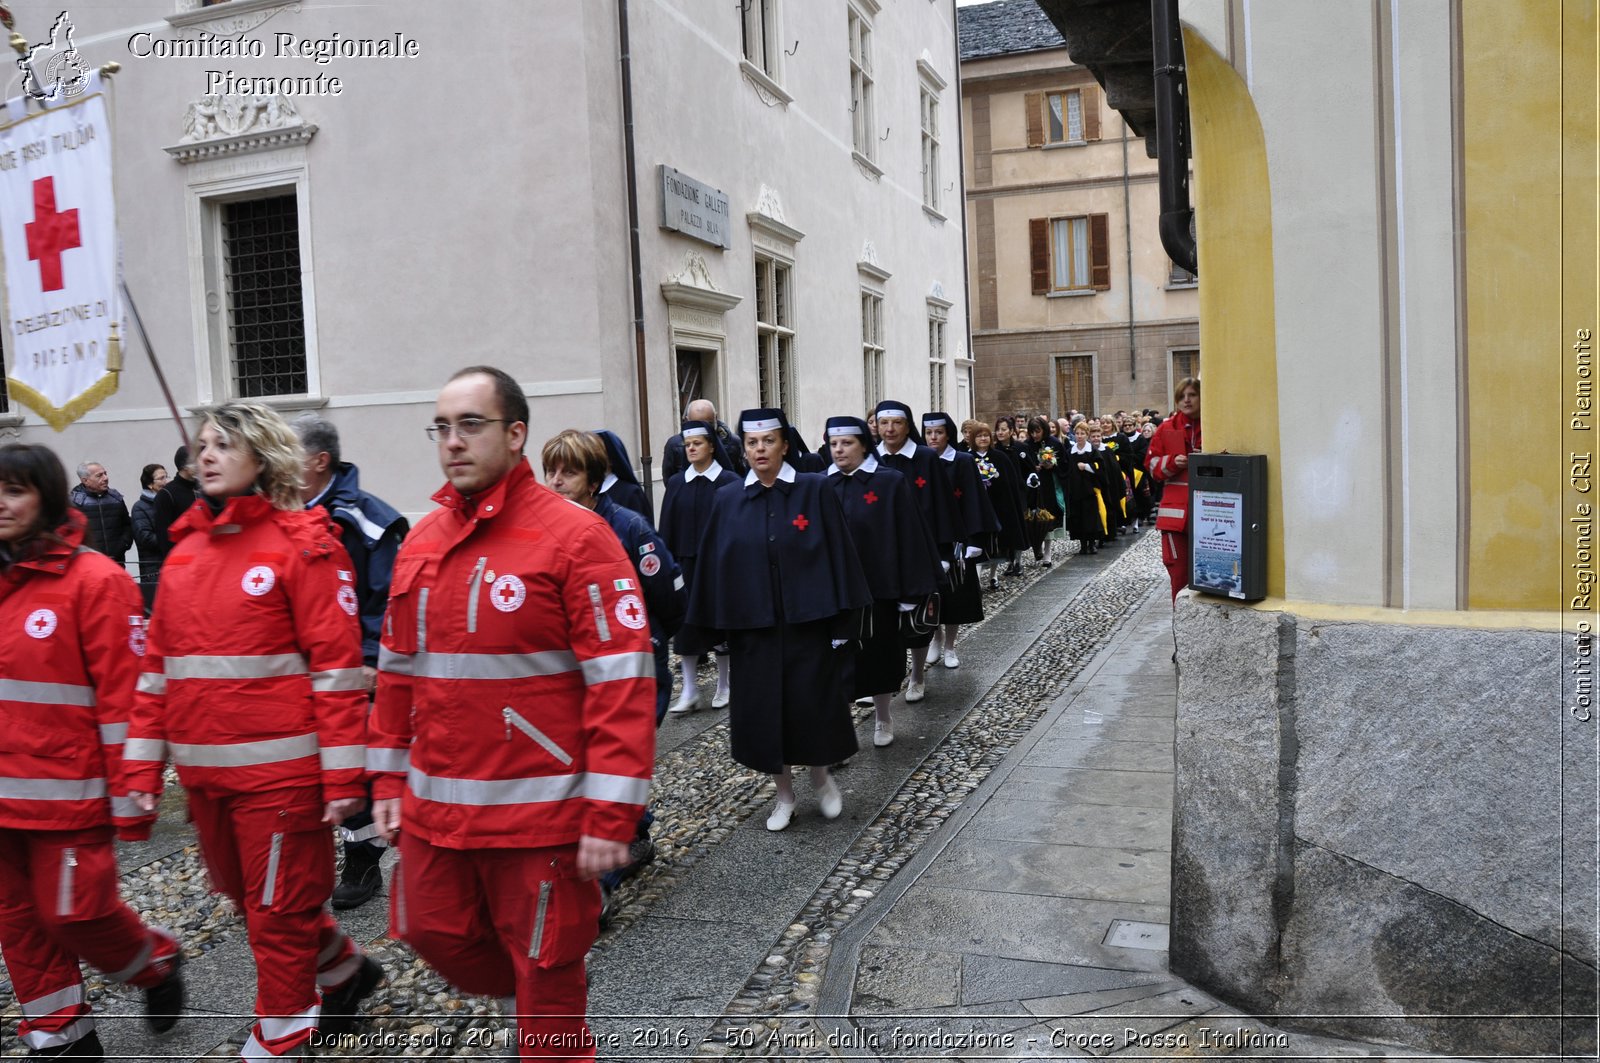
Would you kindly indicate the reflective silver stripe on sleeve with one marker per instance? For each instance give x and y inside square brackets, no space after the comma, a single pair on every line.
[600,625]
[266,666]
[677,583]
[392,662]
[269,892]
[422,619]
[475,585]
[332,679]
[619,666]
[380,758]
[113,733]
[126,808]
[336,758]
[51,789]
[478,792]
[50,1003]
[46,693]
[144,749]
[152,683]
[244,754]
[523,724]
[493,665]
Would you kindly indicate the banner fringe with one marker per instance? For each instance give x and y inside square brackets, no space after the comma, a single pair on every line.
[59,418]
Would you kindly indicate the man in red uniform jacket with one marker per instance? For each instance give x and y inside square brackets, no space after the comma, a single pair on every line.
[514,730]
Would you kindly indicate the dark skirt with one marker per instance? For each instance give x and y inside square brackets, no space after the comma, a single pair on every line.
[963,603]
[789,703]
[690,641]
[880,665]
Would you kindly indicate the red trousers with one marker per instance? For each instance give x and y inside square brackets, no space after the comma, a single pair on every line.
[59,902]
[272,854]
[498,922]
[1175,555]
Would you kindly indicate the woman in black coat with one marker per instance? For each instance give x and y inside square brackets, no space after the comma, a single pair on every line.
[1085,490]
[1002,481]
[897,552]
[1040,455]
[684,514]
[777,575]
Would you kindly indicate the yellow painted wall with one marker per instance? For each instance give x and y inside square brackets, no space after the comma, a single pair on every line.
[1512,139]
[1579,297]
[1233,205]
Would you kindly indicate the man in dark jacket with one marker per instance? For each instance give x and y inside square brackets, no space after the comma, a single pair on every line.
[174,500]
[371,531]
[673,460]
[110,526]
[152,547]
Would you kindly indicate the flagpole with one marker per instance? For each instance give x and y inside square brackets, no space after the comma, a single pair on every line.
[155,363]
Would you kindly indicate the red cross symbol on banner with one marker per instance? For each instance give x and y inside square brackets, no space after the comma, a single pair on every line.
[801,522]
[870,497]
[920,482]
[50,233]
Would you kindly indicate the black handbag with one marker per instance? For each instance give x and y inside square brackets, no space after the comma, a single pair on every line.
[922,620]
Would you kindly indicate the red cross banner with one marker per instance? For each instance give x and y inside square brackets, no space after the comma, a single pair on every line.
[58,228]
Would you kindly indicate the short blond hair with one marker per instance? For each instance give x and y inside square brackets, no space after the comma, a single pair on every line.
[270,440]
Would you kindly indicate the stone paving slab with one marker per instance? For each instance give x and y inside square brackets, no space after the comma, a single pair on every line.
[1090,786]
[1120,826]
[1054,870]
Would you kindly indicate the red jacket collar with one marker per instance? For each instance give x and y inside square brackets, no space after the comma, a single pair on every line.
[487,503]
[54,553]
[244,509]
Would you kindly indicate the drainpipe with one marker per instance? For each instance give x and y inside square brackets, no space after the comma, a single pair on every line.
[1172,134]
[640,367]
[1127,240]
[961,192]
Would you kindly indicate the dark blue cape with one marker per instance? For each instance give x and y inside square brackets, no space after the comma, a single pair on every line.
[663,589]
[776,555]
[687,509]
[974,516]
[896,549]
[925,475]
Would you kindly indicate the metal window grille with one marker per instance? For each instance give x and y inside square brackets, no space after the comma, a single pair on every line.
[266,316]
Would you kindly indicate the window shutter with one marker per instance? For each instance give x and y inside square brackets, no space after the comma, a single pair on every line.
[1039,254]
[1099,253]
[1089,100]
[1033,103]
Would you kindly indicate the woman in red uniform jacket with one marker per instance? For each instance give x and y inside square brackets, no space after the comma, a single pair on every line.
[71,630]
[252,682]
[1168,462]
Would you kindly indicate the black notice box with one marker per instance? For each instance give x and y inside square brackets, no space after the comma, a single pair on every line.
[1228,525]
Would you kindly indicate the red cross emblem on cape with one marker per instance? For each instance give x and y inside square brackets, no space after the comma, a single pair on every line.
[801,522]
[50,233]
[920,482]
[870,497]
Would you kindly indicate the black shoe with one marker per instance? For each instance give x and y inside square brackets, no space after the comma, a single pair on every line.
[163,1002]
[641,853]
[362,877]
[86,1047]
[339,1005]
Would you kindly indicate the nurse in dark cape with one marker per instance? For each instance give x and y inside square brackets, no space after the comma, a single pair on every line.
[974,530]
[621,485]
[900,448]
[1084,502]
[685,512]
[896,550]
[778,576]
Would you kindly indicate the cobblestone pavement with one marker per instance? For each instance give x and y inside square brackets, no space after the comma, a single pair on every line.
[701,798]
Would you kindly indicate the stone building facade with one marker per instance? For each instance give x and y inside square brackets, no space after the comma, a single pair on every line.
[465,198]
[1075,304]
